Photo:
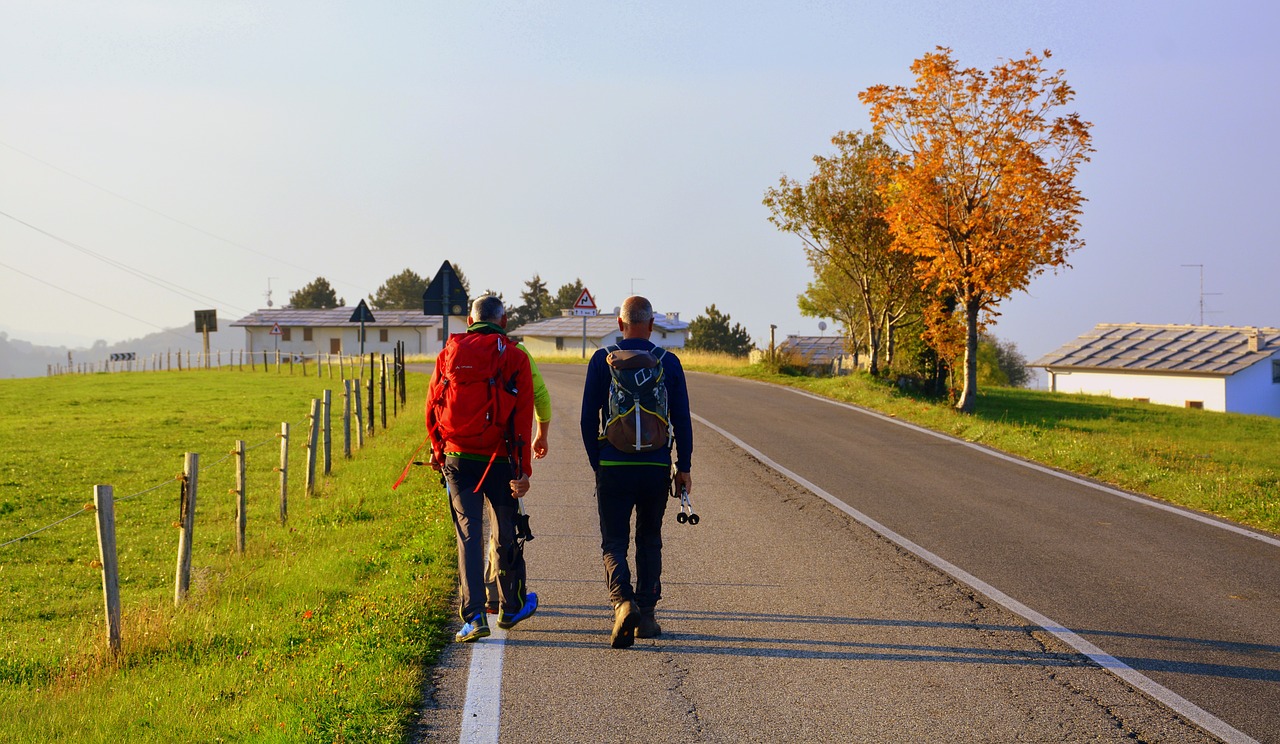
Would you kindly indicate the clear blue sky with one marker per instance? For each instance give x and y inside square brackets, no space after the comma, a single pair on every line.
[215,146]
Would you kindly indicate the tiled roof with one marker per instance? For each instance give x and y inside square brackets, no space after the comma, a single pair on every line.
[598,326]
[335,317]
[1187,349]
[815,349]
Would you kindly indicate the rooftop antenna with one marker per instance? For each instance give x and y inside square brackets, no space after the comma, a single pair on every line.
[635,279]
[1203,293]
[269,303]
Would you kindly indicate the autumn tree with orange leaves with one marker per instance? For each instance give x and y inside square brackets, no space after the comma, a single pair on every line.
[984,196]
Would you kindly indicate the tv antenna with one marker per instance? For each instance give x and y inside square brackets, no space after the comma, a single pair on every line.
[269,303]
[635,279]
[1203,293]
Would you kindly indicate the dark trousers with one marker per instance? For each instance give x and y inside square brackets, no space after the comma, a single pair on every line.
[468,522]
[621,489]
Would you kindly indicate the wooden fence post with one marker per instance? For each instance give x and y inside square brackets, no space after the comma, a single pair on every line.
[105,509]
[373,421]
[404,395]
[284,473]
[312,437]
[187,523]
[325,404]
[346,419]
[359,396]
[382,385]
[241,517]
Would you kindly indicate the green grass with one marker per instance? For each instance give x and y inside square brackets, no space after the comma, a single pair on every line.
[320,632]
[324,629]
[1219,463]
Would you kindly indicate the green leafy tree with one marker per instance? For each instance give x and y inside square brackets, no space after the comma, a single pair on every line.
[564,299]
[318,295]
[401,292]
[533,299]
[1000,363]
[713,332]
[839,216]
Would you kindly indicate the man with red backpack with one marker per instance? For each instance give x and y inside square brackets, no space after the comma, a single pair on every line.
[479,415]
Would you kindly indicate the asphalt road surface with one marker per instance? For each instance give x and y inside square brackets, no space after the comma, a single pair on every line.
[992,601]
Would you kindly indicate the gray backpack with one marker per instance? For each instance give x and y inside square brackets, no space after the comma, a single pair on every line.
[638,417]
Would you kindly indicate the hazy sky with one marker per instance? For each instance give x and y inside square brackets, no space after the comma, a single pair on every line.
[159,157]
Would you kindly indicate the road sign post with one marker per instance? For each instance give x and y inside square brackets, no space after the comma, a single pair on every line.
[361,316]
[586,307]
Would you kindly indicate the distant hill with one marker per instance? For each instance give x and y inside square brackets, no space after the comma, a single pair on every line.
[25,359]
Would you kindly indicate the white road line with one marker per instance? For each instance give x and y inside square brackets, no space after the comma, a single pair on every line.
[1145,501]
[482,708]
[1169,698]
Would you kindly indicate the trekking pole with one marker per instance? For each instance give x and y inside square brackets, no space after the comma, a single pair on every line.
[686,514]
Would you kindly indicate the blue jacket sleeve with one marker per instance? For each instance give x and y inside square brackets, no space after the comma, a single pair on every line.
[678,404]
[595,392]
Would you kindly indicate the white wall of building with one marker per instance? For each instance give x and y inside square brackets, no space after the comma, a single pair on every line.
[423,340]
[1255,390]
[1170,390]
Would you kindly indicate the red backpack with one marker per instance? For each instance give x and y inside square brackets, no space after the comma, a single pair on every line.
[472,408]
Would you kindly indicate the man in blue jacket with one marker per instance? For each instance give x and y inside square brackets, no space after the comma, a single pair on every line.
[634,481]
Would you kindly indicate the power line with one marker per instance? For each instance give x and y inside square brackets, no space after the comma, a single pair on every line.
[86,299]
[179,290]
[171,218]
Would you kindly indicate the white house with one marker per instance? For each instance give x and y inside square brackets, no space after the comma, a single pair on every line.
[567,333]
[821,354]
[332,331]
[1218,368]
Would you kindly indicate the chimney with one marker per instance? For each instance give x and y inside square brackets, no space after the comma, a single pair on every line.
[1255,340]
[673,316]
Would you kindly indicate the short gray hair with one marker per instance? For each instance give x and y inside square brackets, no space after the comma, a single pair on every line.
[487,309]
[636,310]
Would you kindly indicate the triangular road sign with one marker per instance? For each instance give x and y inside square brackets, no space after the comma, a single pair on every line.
[445,295]
[362,314]
[584,301]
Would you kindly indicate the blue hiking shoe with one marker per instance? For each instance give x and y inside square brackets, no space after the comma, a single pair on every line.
[530,607]
[476,629]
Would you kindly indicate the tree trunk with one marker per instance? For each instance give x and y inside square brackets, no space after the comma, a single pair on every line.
[969,396]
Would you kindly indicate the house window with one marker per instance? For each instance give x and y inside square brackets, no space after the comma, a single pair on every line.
[306,334]
[664,334]
[559,343]
[382,335]
[1275,371]
[1195,404]
[286,334]
[440,335]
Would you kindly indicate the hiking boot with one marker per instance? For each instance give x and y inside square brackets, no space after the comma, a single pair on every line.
[625,617]
[648,626]
[476,629]
[530,607]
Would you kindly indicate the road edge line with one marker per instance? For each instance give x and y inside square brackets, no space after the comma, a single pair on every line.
[482,706]
[1170,699]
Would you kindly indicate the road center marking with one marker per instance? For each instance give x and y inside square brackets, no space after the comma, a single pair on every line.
[1187,709]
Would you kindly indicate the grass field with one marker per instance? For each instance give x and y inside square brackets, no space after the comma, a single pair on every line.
[319,632]
[324,629]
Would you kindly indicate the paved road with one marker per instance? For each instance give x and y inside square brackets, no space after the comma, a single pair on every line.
[785,619]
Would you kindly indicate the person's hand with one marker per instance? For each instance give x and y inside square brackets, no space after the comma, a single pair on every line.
[435,464]
[540,442]
[684,481]
[520,487]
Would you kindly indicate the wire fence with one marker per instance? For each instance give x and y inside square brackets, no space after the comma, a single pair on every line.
[364,403]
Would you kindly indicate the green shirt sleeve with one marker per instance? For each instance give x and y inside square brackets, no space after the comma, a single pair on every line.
[541,396]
